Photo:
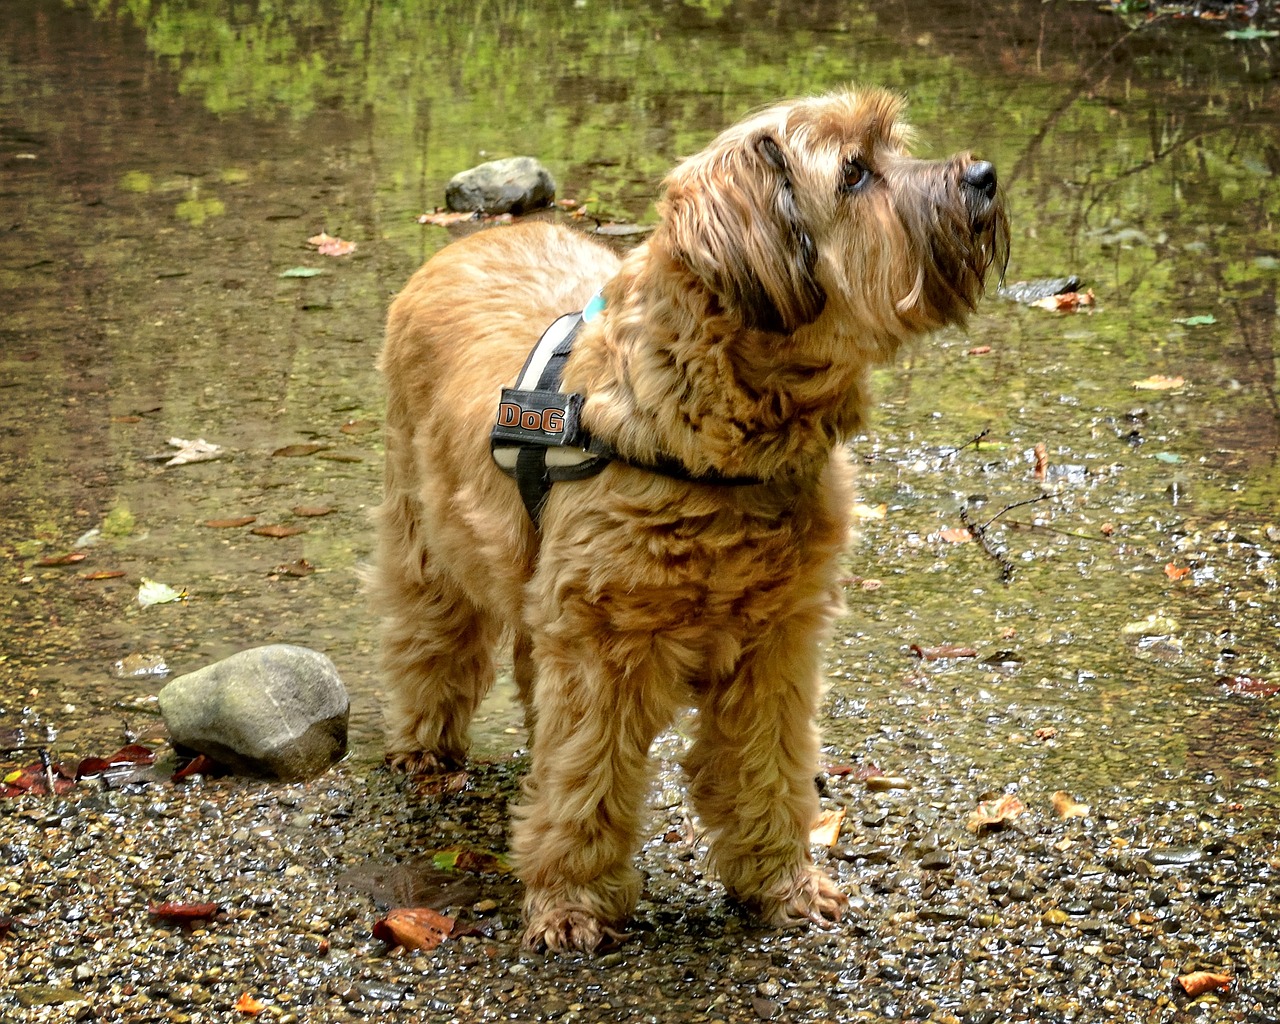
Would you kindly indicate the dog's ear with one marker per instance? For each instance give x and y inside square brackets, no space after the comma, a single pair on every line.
[733,220]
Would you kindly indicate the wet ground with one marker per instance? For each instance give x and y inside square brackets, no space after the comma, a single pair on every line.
[160,178]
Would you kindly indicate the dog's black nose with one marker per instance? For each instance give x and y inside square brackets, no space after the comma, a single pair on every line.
[981,177]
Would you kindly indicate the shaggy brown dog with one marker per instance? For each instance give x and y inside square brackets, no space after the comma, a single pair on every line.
[795,253]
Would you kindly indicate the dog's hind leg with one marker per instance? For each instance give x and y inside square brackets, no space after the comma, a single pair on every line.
[437,647]
[751,775]
[576,835]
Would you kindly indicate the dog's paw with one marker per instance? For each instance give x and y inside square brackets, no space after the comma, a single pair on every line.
[568,929]
[421,762]
[811,898]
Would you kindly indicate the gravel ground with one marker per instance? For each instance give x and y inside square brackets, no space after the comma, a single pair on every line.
[1088,919]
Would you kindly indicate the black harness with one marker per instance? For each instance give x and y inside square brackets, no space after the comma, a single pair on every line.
[538,438]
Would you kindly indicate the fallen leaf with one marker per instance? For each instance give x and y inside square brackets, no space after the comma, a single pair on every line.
[1203,320]
[826,830]
[277,531]
[1066,806]
[447,218]
[994,814]
[1249,686]
[103,574]
[300,568]
[150,592]
[979,350]
[952,535]
[34,779]
[1065,302]
[311,510]
[1046,732]
[70,558]
[198,450]
[1158,382]
[943,651]
[863,511]
[294,451]
[248,1005]
[477,861]
[413,928]
[1175,572]
[1042,460]
[201,764]
[182,913]
[360,426]
[328,245]
[1107,529]
[302,272]
[1198,982]
[230,524]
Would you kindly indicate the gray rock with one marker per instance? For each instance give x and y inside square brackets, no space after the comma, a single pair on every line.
[277,712]
[514,185]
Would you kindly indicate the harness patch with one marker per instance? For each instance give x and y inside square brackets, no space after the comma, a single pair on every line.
[538,438]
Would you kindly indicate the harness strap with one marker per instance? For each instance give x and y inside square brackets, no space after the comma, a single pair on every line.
[539,439]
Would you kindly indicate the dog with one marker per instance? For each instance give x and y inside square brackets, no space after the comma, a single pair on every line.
[725,371]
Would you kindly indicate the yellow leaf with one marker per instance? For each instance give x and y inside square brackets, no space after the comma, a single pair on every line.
[1158,382]
[864,511]
[826,830]
[1065,806]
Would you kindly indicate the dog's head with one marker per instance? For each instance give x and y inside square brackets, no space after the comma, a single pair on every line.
[815,204]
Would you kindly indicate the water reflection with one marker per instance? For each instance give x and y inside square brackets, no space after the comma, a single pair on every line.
[162,172]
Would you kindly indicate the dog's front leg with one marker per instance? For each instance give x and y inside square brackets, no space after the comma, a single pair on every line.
[575,838]
[751,775]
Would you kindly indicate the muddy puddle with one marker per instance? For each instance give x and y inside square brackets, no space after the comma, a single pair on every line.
[162,178]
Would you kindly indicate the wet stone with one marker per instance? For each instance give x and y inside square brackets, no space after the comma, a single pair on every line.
[1174,856]
[936,860]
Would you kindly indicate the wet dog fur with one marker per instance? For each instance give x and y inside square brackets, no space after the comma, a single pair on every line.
[795,253]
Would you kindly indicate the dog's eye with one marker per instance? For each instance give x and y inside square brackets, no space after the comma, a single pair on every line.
[856,175]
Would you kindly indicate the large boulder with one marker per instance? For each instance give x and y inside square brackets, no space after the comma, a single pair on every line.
[278,712]
[514,185]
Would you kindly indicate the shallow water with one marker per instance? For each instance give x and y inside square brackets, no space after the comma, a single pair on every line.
[160,174]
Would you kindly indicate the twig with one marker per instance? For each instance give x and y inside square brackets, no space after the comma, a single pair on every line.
[1010,508]
[972,441]
[979,533]
[47,762]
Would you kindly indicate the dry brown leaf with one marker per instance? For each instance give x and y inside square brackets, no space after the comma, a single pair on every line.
[277,531]
[102,574]
[229,524]
[979,350]
[953,535]
[1066,302]
[826,830]
[1177,572]
[247,1004]
[414,928]
[1042,460]
[1198,982]
[1066,806]
[293,451]
[328,245]
[994,814]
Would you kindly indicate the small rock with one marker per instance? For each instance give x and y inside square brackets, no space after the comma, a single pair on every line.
[278,711]
[514,185]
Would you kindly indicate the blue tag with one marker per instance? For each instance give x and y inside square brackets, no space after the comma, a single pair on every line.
[594,308]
